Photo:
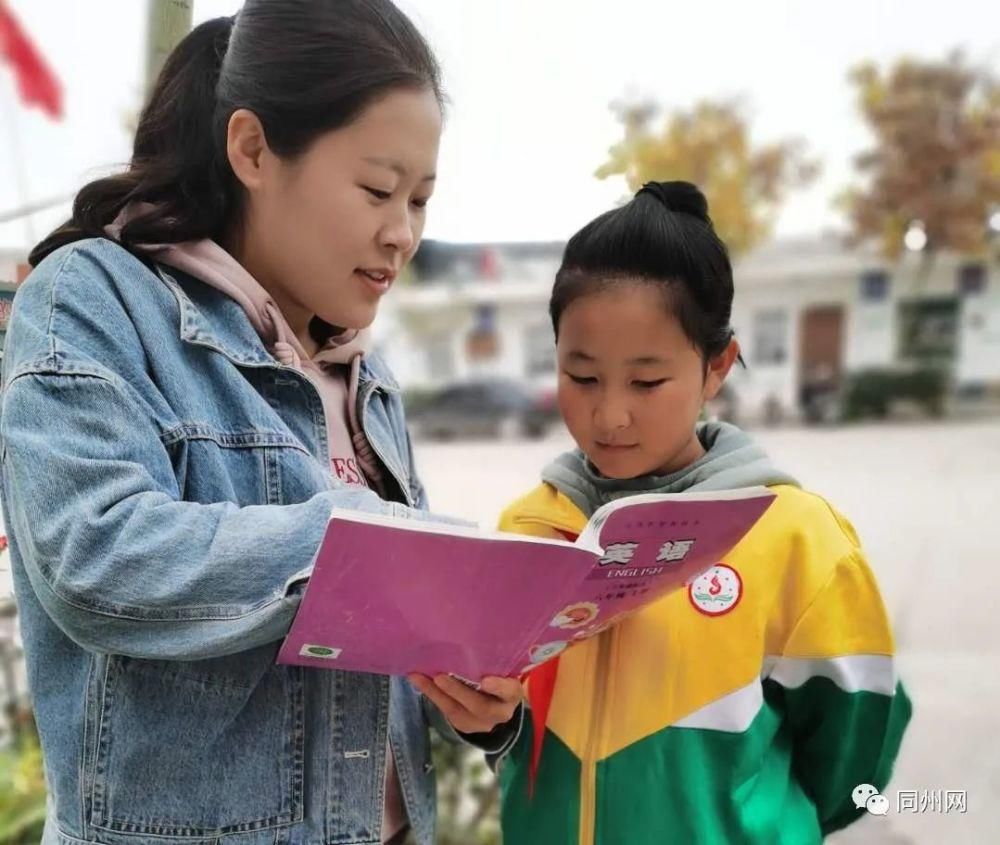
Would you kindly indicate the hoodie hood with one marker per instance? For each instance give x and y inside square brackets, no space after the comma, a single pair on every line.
[731,461]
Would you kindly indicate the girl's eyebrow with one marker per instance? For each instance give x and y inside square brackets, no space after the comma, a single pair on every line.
[643,360]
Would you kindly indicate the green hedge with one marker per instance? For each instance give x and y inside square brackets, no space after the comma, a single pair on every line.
[872,392]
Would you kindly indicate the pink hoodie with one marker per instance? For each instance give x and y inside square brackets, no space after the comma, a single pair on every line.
[334,371]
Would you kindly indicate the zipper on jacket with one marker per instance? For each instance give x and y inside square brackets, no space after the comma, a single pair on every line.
[364,398]
[404,488]
[595,739]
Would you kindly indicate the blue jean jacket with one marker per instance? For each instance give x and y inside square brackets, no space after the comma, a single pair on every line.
[165,489]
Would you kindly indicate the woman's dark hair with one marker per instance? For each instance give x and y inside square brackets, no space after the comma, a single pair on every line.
[662,237]
[303,67]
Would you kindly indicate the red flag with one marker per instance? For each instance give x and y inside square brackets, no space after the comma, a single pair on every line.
[36,83]
[489,263]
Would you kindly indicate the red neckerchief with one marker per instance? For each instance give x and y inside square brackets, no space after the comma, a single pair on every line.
[541,689]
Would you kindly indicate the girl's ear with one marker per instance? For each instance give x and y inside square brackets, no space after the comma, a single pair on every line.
[719,367]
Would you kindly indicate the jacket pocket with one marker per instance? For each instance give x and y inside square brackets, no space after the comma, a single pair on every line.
[198,749]
[255,467]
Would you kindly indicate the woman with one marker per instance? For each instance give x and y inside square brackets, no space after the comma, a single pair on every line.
[188,392]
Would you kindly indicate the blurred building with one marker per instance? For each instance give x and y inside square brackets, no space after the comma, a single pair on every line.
[807,312]
[13,269]
[472,311]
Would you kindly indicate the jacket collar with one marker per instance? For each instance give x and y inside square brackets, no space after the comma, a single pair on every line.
[210,319]
[547,506]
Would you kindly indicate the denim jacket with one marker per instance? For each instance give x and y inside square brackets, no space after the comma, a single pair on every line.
[165,489]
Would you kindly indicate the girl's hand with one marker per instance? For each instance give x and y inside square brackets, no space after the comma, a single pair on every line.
[467,710]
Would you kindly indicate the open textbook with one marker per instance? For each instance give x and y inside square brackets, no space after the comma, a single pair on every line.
[393,595]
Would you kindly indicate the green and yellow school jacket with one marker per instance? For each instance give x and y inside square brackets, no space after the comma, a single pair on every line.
[743,709]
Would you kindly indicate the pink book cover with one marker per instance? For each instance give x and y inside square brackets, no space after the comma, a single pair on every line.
[393,596]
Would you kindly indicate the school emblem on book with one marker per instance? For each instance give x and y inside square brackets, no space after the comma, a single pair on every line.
[576,615]
[717,591]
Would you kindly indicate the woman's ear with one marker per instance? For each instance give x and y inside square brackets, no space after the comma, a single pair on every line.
[246,148]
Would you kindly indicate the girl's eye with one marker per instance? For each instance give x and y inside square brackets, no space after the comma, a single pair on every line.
[379,195]
[649,385]
[421,203]
[582,379]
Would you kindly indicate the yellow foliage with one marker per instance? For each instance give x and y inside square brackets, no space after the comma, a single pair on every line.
[936,156]
[710,146]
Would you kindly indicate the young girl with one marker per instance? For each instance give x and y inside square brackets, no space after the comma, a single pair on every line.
[749,718]
[188,391]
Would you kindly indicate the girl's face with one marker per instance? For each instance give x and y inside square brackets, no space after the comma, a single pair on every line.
[326,233]
[631,383]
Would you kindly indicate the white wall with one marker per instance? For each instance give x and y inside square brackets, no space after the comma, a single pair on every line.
[442,313]
[763,381]
[979,335]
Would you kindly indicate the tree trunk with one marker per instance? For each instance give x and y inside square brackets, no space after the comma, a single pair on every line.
[169,22]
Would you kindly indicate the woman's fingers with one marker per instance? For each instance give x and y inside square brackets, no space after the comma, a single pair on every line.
[469,710]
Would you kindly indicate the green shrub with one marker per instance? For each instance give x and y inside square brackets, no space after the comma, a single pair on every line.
[872,392]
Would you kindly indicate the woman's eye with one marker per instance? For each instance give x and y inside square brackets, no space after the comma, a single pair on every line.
[379,195]
[649,385]
[583,379]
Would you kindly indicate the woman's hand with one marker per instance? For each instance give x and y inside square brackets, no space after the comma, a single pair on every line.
[467,710]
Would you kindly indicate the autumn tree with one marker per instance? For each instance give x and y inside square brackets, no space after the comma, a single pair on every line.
[710,145]
[934,167]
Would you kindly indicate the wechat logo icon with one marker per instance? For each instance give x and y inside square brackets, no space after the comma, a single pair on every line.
[868,797]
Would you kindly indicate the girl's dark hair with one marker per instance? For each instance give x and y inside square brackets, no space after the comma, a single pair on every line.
[303,67]
[662,237]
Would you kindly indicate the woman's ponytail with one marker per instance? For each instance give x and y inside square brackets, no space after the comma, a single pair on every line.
[178,159]
[303,67]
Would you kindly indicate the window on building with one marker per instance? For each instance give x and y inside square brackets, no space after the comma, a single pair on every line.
[539,350]
[928,330]
[874,286]
[770,336]
[971,278]
[482,343]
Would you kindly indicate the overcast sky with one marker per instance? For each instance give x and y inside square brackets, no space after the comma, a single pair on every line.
[530,82]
